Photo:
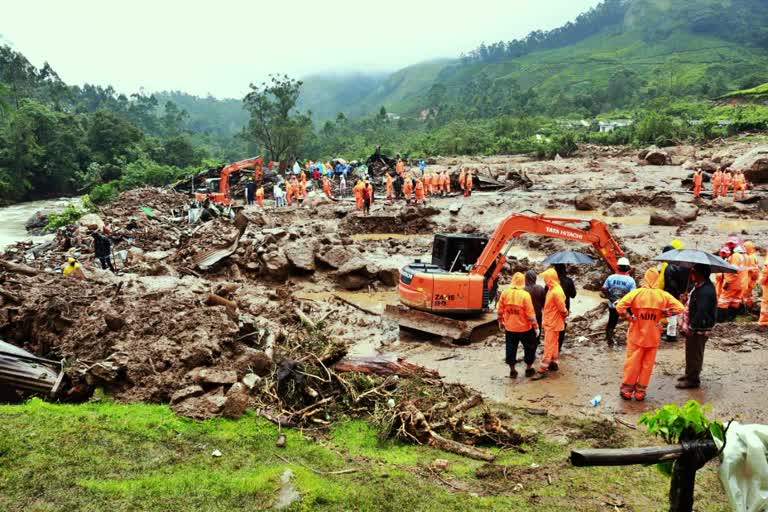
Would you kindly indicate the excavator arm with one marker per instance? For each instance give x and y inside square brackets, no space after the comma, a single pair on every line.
[256,163]
[494,255]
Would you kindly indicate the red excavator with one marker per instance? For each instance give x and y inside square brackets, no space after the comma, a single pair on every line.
[222,182]
[450,297]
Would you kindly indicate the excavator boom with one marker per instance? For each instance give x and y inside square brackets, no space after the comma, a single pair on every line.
[430,293]
[223,195]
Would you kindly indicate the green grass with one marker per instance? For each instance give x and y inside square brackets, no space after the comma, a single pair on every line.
[107,456]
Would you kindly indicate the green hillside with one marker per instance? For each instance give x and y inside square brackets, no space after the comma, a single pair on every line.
[759,93]
[622,53]
[358,94]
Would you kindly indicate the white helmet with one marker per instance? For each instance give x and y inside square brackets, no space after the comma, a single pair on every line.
[623,262]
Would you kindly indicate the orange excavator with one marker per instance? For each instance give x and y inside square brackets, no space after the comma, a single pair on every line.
[451,296]
[221,183]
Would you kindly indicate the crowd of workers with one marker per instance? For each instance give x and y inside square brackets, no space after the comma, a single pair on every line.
[690,300]
[402,183]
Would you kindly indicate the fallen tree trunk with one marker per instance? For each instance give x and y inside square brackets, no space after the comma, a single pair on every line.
[384,367]
[19,268]
[415,425]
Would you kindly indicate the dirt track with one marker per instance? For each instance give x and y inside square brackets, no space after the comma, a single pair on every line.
[309,257]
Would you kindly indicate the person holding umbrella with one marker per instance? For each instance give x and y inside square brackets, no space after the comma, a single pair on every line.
[701,311]
[698,320]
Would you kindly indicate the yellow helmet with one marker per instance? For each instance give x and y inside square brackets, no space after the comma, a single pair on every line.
[677,244]
[71,260]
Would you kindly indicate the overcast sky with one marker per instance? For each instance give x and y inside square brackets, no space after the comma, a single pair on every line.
[219,47]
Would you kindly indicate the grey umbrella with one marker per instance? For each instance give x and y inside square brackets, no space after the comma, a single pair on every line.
[569,257]
[690,257]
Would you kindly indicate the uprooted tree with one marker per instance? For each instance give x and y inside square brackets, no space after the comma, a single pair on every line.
[274,123]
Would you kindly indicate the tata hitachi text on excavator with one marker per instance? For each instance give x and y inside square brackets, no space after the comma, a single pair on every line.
[452,295]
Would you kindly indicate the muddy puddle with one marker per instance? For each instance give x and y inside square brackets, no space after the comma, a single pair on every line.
[373,302]
[588,371]
[640,217]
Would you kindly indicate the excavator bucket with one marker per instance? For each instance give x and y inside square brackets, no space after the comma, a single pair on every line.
[460,331]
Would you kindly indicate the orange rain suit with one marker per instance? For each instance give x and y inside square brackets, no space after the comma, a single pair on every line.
[717,178]
[462,179]
[327,187]
[739,185]
[725,183]
[260,196]
[288,191]
[358,191]
[732,287]
[435,183]
[698,179]
[646,307]
[303,177]
[753,271]
[515,307]
[763,280]
[370,193]
[407,187]
[296,188]
[400,167]
[420,191]
[468,184]
[389,187]
[553,318]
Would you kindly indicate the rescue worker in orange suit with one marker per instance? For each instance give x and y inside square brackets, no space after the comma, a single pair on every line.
[763,280]
[260,196]
[303,177]
[717,178]
[303,189]
[468,182]
[518,319]
[726,182]
[288,191]
[435,183]
[725,253]
[462,180]
[554,315]
[389,187]
[358,191]
[732,288]
[296,189]
[741,186]
[420,192]
[400,167]
[698,179]
[327,187]
[407,188]
[644,307]
[447,183]
[753,271]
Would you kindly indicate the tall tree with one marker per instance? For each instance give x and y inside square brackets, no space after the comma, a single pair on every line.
[274,122]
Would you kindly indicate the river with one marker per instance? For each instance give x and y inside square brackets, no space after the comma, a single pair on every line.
[13,218]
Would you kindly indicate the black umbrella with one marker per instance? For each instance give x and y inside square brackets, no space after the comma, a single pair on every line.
[568,257]
[690,257]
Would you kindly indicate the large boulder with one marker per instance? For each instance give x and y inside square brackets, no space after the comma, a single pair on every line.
[91,221]
[389,276]
[301,255]
[618,209]
[36,223]
[657,157]
[356,273]
[275,264]
[754,163]
[678,216]
[335,257]
[587,202]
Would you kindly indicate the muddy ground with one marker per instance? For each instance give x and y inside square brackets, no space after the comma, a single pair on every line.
[166,329]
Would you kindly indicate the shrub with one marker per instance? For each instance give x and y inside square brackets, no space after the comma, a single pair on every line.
[70,214]
[103,193]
